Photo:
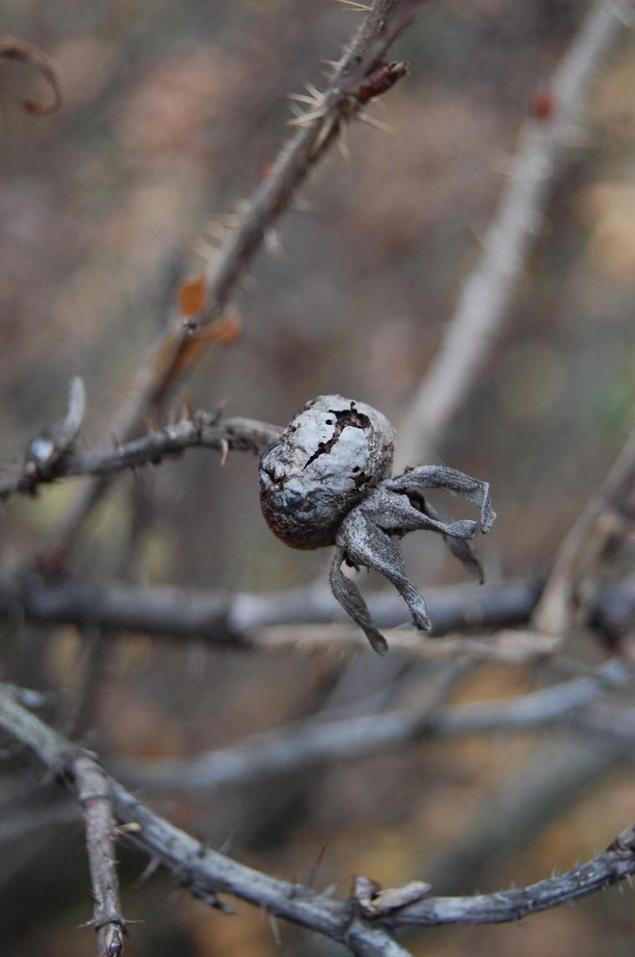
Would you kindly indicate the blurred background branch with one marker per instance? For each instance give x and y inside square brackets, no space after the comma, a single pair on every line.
[545,139]
[237,619]
[289,750]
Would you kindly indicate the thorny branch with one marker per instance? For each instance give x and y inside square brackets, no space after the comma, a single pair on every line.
[381,25]
[485,299]
[207,873]
[198,430]
[203,871]
[93,793]
[614,864]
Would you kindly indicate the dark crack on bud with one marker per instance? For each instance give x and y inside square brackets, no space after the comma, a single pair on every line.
[350,418]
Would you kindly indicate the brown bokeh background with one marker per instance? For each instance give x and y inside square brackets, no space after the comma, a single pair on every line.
[172,112]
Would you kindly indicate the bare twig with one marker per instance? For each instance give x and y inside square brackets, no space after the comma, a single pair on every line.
[235,621]
[93,793]
[487,293]
[206,872]
[294,748]
[381,25]
[197,431]
[612,865]
[584,543]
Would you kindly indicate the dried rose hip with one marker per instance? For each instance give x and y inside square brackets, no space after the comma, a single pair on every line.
[326,481]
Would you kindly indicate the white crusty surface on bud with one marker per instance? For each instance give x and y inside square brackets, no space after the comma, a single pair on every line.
[332,452]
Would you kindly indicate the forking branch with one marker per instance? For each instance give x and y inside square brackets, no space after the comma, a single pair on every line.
[207,873]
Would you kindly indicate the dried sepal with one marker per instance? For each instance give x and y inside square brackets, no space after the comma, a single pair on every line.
[350,598]
[375,902]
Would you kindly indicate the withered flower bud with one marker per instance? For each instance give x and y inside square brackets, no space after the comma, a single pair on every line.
[326,481]
[330,455]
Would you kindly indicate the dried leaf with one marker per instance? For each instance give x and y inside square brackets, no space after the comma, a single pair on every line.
[193,296]
[375,902]
[542,105]
[380,80]
[228,329]
[224,331]
[395,897]
[131,827]
[13,48]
